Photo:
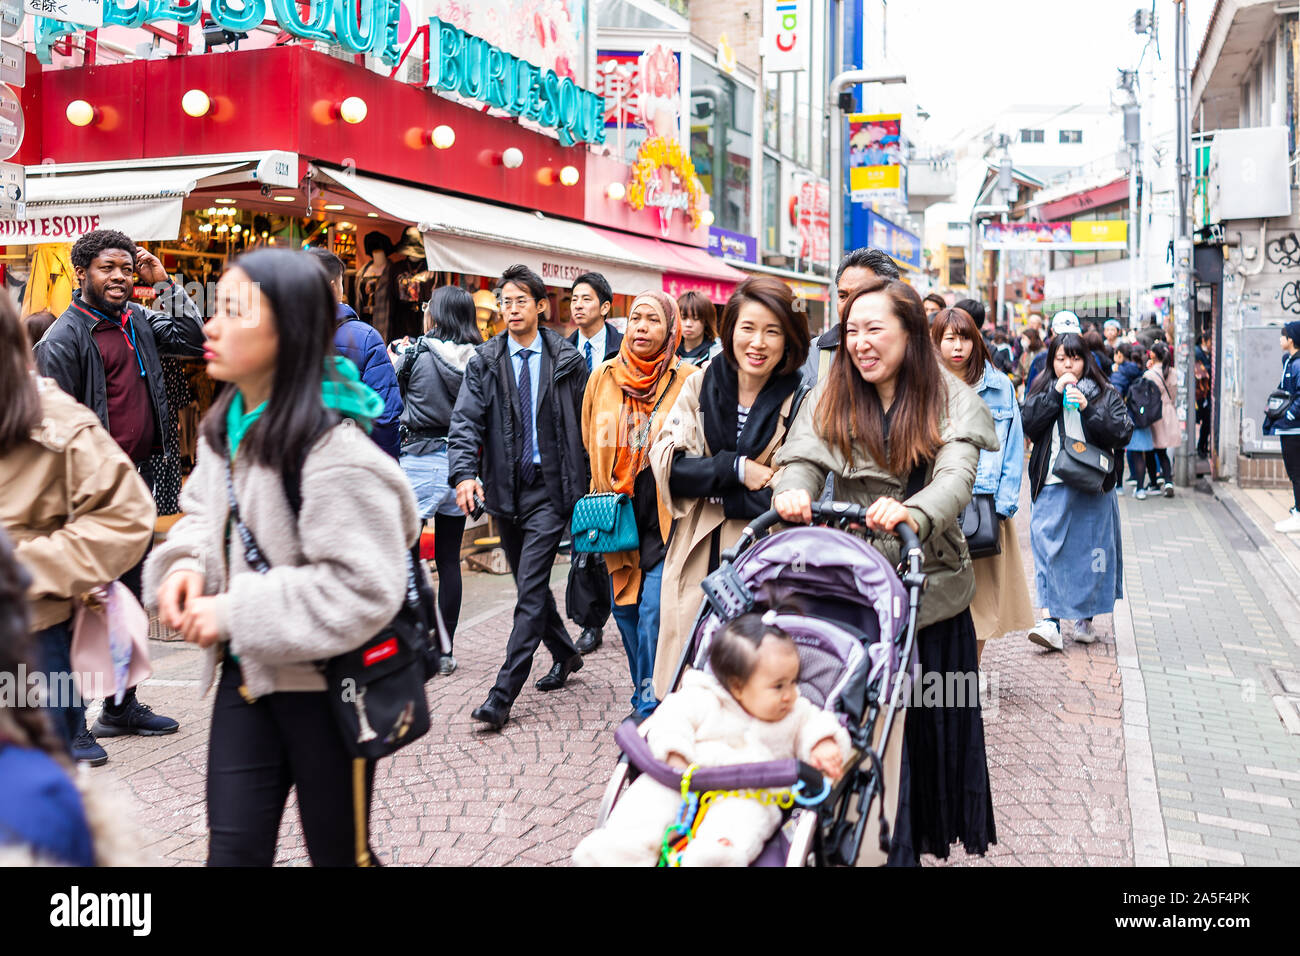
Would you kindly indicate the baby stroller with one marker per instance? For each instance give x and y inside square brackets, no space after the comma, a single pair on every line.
[854,623]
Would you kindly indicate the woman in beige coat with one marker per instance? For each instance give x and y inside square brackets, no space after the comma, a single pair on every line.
[1165,433]
[77,511]
[714,454]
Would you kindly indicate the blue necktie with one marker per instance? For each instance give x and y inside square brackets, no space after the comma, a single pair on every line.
[526,466]
[587,348]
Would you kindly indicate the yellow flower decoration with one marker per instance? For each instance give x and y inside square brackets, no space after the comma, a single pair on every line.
[655,154]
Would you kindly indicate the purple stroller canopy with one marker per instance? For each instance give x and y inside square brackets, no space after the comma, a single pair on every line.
[826,563]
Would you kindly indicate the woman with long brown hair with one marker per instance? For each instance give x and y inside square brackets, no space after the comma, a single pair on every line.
[628,399]
[77,511]
[714,455]
[1001,603]
[903,437]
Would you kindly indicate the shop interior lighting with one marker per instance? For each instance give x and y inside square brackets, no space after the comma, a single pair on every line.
[615,191]
[225,202]
[352,110]
[345,226]
[284,198]
[334,206]
[195,103]
[212,211]
[443,137]
[512,158]
[372,215]
[81,113]
[569,175]
[236,228]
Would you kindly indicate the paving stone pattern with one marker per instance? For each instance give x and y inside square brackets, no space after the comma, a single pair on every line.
[1209,625]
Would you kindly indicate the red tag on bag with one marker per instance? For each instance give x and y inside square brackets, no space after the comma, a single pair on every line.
[380,652]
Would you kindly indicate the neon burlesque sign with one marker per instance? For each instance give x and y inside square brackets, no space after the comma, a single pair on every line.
[472,67]
[332,21]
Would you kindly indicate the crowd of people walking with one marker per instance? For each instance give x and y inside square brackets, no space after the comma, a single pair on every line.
[678,424]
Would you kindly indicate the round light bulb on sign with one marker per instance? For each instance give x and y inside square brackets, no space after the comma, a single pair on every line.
[616,191]
[80,113]
[706,218]
[196,103]
[444,137]
[569,175]
[353,110]
[512,158]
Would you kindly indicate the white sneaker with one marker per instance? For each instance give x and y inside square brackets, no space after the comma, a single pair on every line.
[1084,632]
[1290,524]
[1140,494]
[1168,489]
[1046,634]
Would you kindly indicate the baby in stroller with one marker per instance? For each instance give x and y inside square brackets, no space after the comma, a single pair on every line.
[748,710]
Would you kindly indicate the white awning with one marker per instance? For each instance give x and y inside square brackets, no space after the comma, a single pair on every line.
[475,238]
[143,203]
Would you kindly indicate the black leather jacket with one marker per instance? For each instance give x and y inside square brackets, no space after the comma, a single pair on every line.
[68,353]
[1105,423]
[484,435]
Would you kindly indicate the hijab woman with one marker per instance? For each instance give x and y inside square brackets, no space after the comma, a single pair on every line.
[628,398]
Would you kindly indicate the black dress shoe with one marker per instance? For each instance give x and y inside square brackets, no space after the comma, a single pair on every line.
[559,673]
[589,640]
[494,715]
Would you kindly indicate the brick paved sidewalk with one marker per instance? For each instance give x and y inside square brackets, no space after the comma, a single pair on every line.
[1215,627]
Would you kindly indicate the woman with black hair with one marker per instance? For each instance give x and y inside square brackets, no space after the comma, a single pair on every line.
[1074,533]
[430,372]
[1166,433]
[333,516]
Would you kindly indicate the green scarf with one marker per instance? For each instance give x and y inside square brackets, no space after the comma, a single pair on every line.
[341,389]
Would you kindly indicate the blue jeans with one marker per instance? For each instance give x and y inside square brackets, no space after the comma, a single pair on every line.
[638,625]
[68,717]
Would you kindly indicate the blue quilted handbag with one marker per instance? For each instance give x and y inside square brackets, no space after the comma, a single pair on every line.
[604,523]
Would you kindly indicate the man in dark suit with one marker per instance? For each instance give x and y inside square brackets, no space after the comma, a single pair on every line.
[515,446]
[596,341]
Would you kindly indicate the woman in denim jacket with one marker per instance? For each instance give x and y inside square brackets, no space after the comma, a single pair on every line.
[1001,602]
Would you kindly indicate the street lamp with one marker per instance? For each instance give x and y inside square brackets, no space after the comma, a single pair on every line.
[835,106]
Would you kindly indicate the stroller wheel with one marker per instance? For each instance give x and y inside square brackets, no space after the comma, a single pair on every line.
[801,842]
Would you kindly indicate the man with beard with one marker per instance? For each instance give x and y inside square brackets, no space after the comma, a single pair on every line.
[103,351]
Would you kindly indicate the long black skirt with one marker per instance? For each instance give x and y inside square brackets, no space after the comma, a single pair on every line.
[943,785]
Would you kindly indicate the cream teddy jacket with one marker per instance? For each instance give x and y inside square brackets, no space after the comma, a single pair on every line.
[337,570]
[707,726]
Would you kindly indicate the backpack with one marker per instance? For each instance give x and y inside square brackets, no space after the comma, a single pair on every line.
[1144,404]
[1202,382]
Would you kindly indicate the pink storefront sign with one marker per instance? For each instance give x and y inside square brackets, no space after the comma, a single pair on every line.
[677,284]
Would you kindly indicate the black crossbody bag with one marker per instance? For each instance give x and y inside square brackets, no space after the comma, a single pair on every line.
[1080,464]
[375,692]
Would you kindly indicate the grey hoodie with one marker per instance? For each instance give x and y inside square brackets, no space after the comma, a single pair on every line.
[430,375]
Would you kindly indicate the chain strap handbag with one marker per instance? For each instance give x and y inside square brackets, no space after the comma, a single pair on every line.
[604,522]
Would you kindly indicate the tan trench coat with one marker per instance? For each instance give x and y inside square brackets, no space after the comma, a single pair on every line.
[1166,433]
[76,510]
[687,561]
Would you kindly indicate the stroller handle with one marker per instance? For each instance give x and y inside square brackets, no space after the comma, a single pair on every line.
[828,512]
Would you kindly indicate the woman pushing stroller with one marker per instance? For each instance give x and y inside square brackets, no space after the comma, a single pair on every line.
[903,437]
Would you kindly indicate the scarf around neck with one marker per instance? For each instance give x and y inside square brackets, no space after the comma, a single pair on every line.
[719,397]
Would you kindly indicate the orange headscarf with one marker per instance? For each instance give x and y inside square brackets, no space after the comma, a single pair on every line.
[639,379]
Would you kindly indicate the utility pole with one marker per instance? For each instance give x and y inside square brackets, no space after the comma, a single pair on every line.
[1185,461]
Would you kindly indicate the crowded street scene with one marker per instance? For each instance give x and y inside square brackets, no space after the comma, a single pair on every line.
[660,433]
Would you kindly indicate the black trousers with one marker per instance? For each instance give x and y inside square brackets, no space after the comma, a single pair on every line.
[531,543]
[1203,419]
[1291,459]
[256,752]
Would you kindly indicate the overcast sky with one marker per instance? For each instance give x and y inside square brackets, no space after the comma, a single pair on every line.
[967,60]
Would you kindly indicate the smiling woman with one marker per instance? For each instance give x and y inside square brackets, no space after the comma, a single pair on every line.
[903,437]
